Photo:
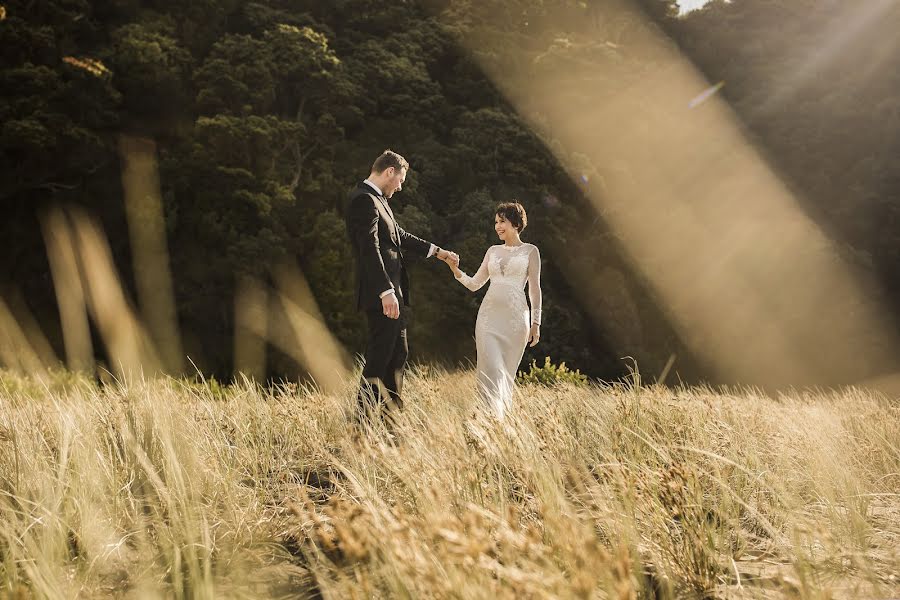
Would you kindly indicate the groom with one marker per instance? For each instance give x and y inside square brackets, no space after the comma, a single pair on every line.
[382,285]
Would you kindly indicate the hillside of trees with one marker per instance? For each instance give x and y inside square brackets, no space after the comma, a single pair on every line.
[264,114]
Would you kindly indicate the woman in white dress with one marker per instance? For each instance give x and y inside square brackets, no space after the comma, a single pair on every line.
[505,325]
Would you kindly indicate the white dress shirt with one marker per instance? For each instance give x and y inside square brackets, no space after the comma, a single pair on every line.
[431,250]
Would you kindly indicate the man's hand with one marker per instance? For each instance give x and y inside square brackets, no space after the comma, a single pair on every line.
[390,306]
[534,335]
[446,255]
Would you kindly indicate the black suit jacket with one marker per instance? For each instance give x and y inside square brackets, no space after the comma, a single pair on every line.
[379,245]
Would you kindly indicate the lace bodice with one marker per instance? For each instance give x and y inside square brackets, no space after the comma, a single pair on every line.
[510,267]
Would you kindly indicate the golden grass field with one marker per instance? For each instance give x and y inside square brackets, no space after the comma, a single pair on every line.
[170,489]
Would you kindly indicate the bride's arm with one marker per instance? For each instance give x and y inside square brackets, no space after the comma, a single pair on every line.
[480,277]
[534,294]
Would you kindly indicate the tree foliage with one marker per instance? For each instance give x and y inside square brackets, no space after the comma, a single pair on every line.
[265,114]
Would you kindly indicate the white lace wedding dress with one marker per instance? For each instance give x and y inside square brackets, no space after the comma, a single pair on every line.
[504,321]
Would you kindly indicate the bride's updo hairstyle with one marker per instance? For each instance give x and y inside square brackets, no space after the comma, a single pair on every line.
[514,213]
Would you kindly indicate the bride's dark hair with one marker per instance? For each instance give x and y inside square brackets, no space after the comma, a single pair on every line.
[514,213]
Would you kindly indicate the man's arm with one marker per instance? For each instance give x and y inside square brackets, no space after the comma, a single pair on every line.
[427,249]
[419,245]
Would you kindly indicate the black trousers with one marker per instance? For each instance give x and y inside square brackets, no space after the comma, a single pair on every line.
[387,349]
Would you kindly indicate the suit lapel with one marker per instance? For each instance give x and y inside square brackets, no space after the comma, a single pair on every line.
[394,227]
[386,213]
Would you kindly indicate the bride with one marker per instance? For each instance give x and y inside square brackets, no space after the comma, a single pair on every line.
[504,325]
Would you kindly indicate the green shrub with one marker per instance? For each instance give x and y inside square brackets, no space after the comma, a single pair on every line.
[550,374]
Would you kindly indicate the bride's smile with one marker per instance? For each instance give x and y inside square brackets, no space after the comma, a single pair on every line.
[506,231]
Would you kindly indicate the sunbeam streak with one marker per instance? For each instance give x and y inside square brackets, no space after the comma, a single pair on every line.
[752,284]
[850,26]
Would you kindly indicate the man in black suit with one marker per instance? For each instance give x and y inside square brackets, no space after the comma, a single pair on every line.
[382,289]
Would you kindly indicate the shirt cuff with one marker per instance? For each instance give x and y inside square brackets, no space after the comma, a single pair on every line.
[432,250]
[536,316]
[386,292]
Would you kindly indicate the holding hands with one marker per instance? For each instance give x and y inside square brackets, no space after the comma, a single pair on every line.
[447,256]
[451,258]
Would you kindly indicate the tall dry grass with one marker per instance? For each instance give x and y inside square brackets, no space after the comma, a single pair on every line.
[147,486]
[167,488]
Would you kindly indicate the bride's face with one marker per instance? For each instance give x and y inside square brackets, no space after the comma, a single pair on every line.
[502,227]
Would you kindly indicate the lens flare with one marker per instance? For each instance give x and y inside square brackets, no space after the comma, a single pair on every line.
[705,95]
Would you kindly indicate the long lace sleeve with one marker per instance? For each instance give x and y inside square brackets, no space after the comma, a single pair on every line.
[534,285]
[481,276]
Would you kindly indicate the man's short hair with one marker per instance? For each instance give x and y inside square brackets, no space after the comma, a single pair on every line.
[514,213]
[388,159]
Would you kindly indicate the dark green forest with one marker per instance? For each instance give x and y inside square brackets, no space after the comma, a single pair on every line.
[264,114]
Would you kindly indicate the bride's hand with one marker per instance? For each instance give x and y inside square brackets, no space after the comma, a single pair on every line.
[535,335]
[452,260]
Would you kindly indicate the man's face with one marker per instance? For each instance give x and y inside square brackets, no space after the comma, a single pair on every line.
[394,182]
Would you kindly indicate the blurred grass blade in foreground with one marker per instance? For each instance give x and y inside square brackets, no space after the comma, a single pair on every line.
[130,351]
[149,250]
[70,295]
[316,349]
[250,328]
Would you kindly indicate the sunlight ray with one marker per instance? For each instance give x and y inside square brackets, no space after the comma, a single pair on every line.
[849,27]
[751,283]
